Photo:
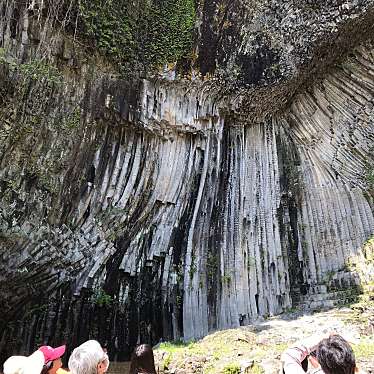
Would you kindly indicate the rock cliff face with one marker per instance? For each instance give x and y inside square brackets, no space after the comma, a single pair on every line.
[168,203]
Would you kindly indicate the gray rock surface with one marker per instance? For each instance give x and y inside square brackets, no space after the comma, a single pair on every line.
[153,208]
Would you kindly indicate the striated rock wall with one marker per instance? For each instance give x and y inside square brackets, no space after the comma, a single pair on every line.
[138,209]
[332,126]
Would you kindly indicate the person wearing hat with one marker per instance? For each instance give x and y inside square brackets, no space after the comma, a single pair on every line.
[52,358]
[32,364]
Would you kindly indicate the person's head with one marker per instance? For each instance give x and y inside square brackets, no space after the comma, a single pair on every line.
[336,356]
[32,364]
[52,358]
[89,358]
[142,360]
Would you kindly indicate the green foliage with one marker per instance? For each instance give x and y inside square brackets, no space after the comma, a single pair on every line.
[179,301]
[108,24]
[370,177]
[251,262]
[34,70]
[368,250]
[172,347]
[232,368]
[212,265]
[169,30]
[101,298]
[222,348]
[167,361]
[226,279]
[45,181]
[257,369]
[180,275]
[330,275]
[2,55]
[37,70]
[364,349]
[291,310]
[304,245]
[73,119]
[193,267]
[151,32]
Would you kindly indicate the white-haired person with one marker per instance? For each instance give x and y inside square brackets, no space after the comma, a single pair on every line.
[89,358]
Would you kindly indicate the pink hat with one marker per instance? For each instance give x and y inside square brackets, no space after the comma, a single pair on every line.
[51,354]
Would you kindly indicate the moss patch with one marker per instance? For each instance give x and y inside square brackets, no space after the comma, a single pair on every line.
[150,32]
[365,349]
[233,368]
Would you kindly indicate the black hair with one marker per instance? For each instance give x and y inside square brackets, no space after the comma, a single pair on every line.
[336,356]
[142,360]
[47,367]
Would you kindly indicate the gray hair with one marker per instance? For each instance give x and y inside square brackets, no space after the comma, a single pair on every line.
[85,358]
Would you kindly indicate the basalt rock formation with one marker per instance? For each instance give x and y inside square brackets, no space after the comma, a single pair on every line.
[152,193]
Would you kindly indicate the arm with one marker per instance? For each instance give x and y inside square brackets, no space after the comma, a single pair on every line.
[294,355]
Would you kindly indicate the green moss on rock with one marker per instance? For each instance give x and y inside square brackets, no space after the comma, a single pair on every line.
[169,34]
[108,24]
[149,32]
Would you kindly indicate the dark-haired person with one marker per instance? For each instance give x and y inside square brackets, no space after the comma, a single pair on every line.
[142,360]
[329,354]
[52,358]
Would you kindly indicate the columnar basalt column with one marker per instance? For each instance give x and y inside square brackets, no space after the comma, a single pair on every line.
[165,204]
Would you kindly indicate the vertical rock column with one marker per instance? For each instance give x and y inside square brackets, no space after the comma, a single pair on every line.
[236,270]
[333,129]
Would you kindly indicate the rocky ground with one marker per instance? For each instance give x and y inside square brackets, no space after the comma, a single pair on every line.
[257,348]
